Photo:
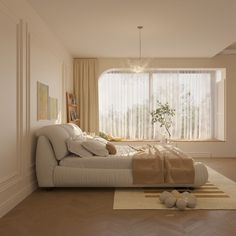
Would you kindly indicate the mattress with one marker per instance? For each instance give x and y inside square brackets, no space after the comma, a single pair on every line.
[110,171]
[97,177]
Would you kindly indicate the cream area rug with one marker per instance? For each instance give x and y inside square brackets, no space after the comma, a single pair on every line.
[219,193]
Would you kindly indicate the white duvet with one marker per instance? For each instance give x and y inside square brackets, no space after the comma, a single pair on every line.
[121,160]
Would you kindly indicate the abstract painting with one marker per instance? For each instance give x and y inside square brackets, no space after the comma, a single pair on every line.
[53,108]
[42,101]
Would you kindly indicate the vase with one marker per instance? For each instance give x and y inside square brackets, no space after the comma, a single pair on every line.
[164,139]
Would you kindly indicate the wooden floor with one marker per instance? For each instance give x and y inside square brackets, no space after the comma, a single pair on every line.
[88,212]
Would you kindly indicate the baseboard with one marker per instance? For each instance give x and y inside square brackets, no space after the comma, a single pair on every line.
[222,157]
[208,156]
[200,154]
[14,200]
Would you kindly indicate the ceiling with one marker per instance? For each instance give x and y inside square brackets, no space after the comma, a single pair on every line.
[172,28]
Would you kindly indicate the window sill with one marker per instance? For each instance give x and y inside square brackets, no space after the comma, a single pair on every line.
[172,140]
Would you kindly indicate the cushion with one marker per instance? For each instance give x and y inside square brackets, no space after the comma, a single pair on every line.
[57,136]
[75,146]
[100,139]
[111,148]
[72,129]
[96,147]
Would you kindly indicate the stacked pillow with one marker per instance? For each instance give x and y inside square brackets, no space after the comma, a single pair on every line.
[109,146]
[75,146]
[69,137]
[87,146]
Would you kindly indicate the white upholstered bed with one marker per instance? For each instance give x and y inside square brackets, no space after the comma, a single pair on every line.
[56,167]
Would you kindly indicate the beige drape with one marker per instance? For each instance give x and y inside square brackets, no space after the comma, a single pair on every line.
[86,91]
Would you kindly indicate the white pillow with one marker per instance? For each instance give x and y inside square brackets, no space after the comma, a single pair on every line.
[96,147]
[74,146]
[72,129]
[57,136]
[101,140]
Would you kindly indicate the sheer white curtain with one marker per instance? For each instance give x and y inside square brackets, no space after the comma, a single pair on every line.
[126,100]
[190,94]
[124,105]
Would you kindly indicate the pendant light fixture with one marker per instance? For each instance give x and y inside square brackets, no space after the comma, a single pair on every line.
[138,65]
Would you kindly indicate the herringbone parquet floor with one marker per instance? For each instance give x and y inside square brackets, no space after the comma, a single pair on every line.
[88,212]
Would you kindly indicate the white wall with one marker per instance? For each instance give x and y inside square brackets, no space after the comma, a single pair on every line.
[199,149]
[29,52]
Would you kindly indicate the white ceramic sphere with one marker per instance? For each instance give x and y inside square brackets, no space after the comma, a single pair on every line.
[175,193]
[181,204]
[185,194]
[170,201]
[164,195]
[192,201]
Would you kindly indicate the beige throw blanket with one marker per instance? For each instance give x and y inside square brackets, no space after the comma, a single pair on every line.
[162,165]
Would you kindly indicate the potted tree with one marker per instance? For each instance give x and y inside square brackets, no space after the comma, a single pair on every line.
[163,114]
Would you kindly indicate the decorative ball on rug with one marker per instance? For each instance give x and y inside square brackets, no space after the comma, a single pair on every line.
[176,193]
[185,194]
[179,200]
[170,201]
[164,195]
[181,204]
[192,201]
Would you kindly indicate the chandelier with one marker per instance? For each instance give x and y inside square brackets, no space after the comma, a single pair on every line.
[138,65]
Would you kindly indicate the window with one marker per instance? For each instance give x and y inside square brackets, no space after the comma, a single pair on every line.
[126,100]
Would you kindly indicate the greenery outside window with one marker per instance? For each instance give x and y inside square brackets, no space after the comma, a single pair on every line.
[126,100]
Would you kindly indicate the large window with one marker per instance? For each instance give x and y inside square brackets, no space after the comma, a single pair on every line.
[126,100]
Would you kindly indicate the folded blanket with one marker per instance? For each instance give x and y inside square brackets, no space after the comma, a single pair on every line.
[179,166]
[147,167]
[162,164]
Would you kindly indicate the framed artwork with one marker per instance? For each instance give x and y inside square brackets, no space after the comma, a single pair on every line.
[42,101]
[53,108]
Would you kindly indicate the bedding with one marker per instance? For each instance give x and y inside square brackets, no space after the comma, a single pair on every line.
[57,167]
[113,170]
[179,166]
[95,147]
[75,146]
[84,145]
[162,164]
[122,160]
[111,148]
[57,136]
[147,167]
[97,162]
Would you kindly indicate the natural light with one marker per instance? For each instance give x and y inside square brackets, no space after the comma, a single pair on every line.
[127,99]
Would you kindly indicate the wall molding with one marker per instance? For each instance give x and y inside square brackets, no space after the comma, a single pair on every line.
[31,43]
[15,199]
[19,182]
[27,144]
[20,92]
[11,179]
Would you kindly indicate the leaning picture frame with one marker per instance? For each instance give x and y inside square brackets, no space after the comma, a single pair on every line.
[42,101]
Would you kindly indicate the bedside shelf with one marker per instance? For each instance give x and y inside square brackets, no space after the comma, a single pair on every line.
[72,109]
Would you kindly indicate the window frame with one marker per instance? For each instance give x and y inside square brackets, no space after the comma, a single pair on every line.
[219,113]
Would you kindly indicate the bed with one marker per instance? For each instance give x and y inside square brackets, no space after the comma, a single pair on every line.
[57,167]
